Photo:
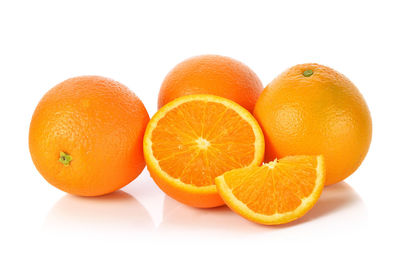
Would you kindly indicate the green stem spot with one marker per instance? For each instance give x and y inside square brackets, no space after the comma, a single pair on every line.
[65,158]
[308,73]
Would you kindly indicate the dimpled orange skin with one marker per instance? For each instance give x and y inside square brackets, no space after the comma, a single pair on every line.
[212,74]
[100,124]
[323,113]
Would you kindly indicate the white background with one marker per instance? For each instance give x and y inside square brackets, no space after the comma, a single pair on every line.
[353,231]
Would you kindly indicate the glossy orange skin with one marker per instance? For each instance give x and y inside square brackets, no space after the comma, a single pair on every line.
[320,114]
[212,74]
[100,123]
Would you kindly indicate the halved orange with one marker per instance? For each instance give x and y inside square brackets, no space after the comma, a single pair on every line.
[194,139]
[274,193]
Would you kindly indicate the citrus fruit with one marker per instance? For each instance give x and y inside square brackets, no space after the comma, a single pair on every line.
[86,136]
[212,74]
[194,139]
[274,193]
[312,109]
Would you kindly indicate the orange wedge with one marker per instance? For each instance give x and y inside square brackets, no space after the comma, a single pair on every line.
[194,139]
[274,193]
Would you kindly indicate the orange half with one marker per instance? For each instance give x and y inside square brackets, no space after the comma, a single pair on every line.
[194,139]
[274,193]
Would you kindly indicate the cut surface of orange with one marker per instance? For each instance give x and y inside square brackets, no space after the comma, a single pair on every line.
[274,193]
[194,139]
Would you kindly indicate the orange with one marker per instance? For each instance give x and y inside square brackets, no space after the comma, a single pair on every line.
[194,139]
[275,193]
[86,136]
[212,74]
[312,109]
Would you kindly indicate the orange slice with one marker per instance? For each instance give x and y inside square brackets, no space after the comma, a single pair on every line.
[274,193]
[194,139]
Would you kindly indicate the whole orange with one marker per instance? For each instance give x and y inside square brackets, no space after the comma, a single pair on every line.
[311,109]
[86,136]
[212,74]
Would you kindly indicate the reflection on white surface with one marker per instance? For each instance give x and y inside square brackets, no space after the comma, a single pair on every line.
[149,195]
[338,200]
[118,212]
[179,217]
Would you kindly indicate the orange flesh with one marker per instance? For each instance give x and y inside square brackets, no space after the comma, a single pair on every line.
[198,141]
[276,187]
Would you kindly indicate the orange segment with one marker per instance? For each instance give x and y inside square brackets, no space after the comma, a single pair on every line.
[196,138]
[274,193]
